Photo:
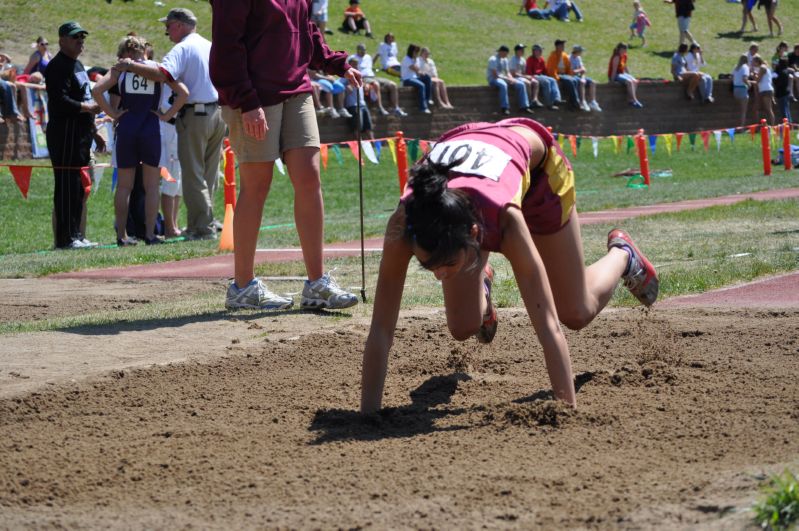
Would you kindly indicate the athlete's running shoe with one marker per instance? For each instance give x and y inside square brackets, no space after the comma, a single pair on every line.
[325,292]
[255,296]
[488,329]
[640,276]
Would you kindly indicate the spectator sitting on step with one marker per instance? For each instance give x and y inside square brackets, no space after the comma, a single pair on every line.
[387,53]
[375,84]
[428,67]
[498,75]
[559,67]
[531,9]
[518,69]
[793,62]
[741,84]
[780,51]
[586,84]
[680,73]
[334,86]
[8,90]
[694,61]
[355,20]
[411,77]
[537,68]
[40,57]
[618,72]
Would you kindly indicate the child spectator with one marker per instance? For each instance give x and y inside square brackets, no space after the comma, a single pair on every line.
[782,87]
[537,67]
[741,85]
[333,86]
[355,20]
[765,87]
[319,15]
[412,78]
[531,9]
[586,84]
[694,61]
[375,84]
[428,67]
[559,67]
[680,73]
[518,66]
[387,53]
[618,72]
[780,51]
[498,75]
[640,22]
[138,136]
[39,58]
[352,95]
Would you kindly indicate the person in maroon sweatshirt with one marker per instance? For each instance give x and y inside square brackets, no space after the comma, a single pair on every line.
[259,57]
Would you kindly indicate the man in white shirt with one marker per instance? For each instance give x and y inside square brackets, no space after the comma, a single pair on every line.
[374,84]
[199,125]
[498,75]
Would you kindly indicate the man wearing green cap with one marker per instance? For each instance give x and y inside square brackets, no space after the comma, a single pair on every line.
[70,132]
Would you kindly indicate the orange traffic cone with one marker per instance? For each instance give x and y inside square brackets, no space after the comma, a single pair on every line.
[226,241]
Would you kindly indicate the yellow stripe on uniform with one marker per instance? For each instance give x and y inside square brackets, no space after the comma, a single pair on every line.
[561,181]
[524,186]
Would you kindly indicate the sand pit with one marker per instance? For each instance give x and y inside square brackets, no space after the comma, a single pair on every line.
[682,413]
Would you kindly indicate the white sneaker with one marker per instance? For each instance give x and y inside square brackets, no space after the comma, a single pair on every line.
[88,243]
[383,112]
[80,244]
[344,113]
[595,106]
[326,293]
[400,113]
[332,113]
[322,111]
[256,296]
[584,107]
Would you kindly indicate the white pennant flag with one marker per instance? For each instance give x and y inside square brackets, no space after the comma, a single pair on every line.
[280,168]
[717,135]
[97,174]
[595,146]
[369,151]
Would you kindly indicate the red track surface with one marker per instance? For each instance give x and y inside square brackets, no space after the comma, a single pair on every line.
[782,291]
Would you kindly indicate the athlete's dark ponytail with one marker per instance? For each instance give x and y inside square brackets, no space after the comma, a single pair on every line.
[440,219]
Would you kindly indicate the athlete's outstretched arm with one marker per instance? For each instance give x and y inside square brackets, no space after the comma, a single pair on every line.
[531,277]
[397,253]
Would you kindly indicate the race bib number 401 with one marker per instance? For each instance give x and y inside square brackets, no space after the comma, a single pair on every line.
[477,158]
[135,84]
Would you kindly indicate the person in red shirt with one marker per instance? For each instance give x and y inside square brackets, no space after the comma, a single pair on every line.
[537,67]
[259,60]
[618,72]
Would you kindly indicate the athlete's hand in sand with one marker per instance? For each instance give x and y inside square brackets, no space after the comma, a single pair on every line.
[254,122]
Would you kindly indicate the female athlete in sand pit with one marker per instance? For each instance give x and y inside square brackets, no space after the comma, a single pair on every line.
[503,187]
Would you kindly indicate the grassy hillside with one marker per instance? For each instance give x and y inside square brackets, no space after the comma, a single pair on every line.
[461,33]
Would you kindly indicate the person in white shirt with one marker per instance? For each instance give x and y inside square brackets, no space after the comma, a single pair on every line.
[387,54]
[498,75]
[765,87]
[428,67]
[411,77]
[319,15]
[585,85]
[375,84]
[694,61]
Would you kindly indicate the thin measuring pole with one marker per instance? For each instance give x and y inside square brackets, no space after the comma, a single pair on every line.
[360,189]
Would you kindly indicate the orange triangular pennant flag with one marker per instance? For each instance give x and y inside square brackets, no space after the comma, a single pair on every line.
[22,176]
[354,148]
[705,138]
[752,131]
[166,175]
[86,181]
[323,154]
[573,144]
[424,145]
[679,140]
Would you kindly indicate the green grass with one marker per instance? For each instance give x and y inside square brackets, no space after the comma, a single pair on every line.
[694,251]
[26,236]
[460,34]
[779,509]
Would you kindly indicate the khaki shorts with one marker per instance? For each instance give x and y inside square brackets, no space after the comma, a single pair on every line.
[292,124]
